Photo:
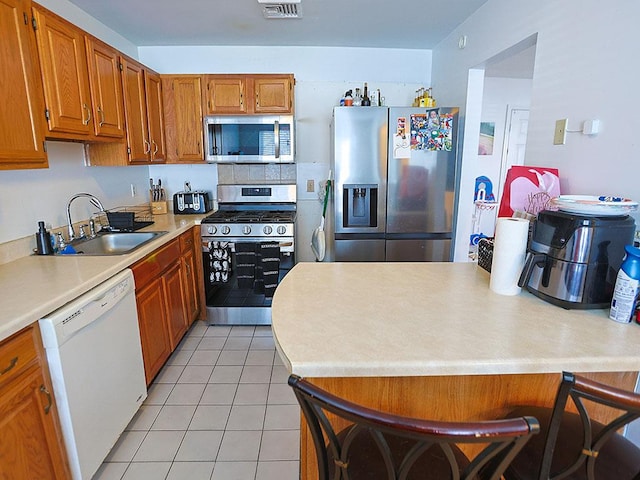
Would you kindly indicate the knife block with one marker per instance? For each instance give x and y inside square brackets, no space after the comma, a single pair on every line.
[159,208]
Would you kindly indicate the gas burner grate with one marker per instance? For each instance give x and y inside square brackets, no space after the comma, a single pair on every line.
[278,217]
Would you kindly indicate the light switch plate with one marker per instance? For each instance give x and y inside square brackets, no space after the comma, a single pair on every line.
[560,135]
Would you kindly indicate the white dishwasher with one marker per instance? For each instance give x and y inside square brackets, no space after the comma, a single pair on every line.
[95,359]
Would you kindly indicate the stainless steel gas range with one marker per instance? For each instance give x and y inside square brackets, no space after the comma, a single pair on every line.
[248,246]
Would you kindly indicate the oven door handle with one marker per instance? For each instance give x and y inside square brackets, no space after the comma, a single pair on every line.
[205,245]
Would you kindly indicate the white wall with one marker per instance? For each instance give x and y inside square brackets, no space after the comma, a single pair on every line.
[585,68]
[28,196]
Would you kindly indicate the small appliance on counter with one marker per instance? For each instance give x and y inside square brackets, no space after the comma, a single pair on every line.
[573,259]
[191,202]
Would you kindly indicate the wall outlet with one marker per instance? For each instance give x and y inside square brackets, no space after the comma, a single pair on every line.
[560,135]
[310,186]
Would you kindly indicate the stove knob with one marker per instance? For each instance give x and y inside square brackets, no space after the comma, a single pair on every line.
[282,230]
[211,230]
[246,230]
[225,230]
[267,230]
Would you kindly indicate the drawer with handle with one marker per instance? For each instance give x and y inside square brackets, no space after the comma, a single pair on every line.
[155,263]
[186,241]
[16,354]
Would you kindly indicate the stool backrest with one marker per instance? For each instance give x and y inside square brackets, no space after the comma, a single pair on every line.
[579,389]
[500,440]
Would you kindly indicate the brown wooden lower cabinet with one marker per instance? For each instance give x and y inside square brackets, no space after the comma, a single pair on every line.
[176,303]
[154,334]
[31,443]
[192,278]
[168,299]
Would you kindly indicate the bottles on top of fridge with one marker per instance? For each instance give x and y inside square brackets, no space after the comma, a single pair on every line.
[424,98]
[347,100]
[357,98]
[365,97]
[362,97]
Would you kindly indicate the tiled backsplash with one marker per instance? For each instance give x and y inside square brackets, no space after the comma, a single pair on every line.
[234,174]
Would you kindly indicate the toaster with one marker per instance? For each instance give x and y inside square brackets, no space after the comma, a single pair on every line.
[195,201]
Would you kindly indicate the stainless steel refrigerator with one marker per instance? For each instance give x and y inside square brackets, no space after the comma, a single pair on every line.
[394,183]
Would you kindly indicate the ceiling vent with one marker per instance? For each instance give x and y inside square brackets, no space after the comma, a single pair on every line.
[275,9]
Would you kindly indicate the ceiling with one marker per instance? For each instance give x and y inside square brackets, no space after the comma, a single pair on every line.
[412,24]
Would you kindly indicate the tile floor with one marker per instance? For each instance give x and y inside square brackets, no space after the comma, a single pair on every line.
[220,409]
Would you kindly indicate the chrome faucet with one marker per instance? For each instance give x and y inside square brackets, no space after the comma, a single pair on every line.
[93,200]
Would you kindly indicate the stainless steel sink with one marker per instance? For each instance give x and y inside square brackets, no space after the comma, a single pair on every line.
[112,243]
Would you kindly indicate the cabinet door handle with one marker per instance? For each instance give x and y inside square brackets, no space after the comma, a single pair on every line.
[47,407]
[155,150]
[12,364]
[101,112]
[188,269]
[88,119]
[147,146]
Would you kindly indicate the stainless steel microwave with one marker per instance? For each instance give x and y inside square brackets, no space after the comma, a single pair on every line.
[249,139]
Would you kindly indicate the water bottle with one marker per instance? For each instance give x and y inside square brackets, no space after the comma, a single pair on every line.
[625,293]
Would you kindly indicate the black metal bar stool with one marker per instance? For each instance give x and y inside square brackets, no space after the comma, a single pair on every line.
[573,446]
[377,445]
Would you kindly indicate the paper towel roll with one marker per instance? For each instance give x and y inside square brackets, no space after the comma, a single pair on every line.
[509,251]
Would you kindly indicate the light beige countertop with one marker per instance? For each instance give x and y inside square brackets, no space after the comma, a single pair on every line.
[423,319]
[33,286]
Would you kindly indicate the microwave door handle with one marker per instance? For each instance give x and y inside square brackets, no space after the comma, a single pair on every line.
[276,134]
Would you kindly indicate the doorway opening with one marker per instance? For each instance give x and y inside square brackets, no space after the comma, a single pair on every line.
[498,103]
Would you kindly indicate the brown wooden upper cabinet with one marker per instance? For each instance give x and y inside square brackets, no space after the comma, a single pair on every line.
[182,95]
[144,113]
[63,61]
[22,120]
[273,94]
[249,94]
[106,88]
[81,78]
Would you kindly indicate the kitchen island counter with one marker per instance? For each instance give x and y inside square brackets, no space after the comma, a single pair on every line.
[34,286]
[431,340]
[413,319]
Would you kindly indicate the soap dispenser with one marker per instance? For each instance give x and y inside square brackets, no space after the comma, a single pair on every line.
[43,240]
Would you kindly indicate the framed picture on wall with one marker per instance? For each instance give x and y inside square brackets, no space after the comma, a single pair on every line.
[487,133]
